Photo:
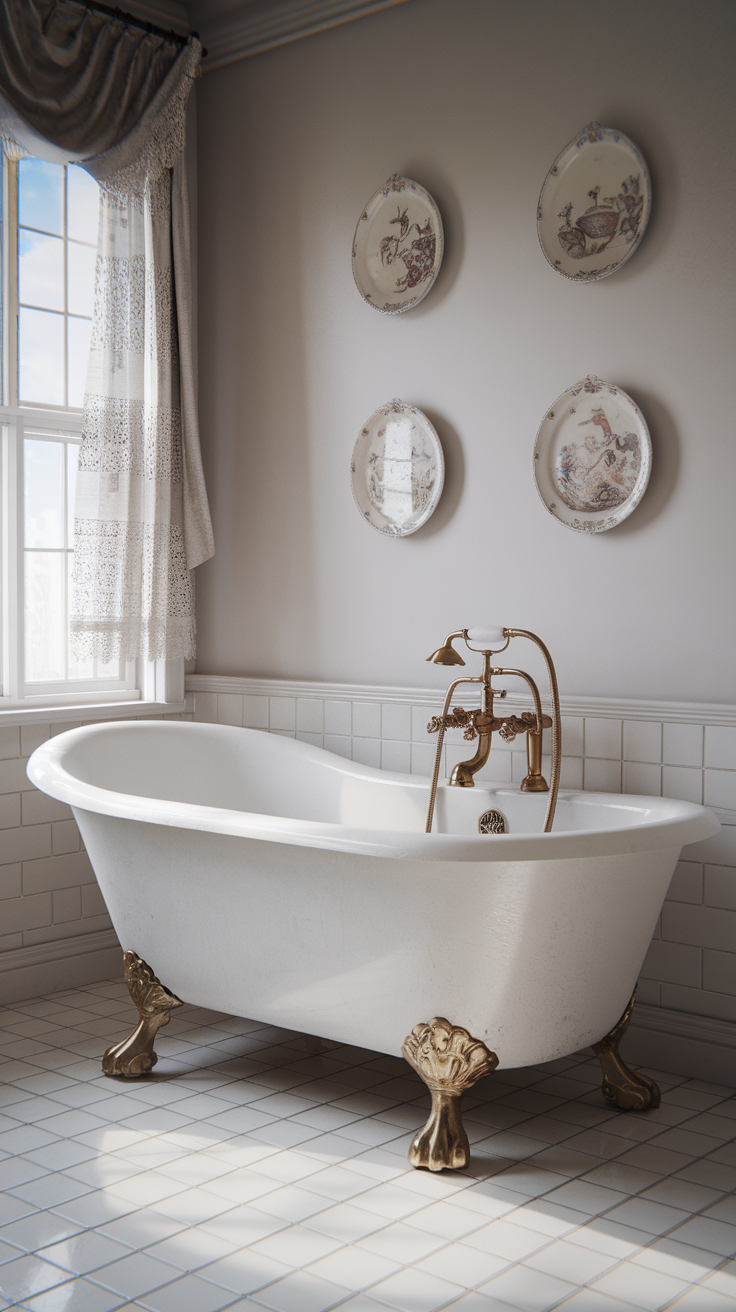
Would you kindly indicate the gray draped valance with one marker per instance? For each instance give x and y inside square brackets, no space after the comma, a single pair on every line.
[77,86]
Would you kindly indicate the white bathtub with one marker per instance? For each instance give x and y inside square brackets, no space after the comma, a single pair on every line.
[267,878]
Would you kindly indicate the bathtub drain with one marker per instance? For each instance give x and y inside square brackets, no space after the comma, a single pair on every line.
[492,822]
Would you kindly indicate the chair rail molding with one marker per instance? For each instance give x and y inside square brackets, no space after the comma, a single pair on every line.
[611,708]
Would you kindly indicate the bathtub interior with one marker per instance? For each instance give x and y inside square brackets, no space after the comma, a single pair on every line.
[254,772]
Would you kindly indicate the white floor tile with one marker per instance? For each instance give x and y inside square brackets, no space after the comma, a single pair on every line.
[268,1169]
[415,1291]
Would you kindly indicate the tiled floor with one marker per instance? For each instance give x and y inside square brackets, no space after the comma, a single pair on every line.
[262,1168]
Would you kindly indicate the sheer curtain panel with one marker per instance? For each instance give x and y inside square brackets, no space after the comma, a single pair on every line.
[113,99]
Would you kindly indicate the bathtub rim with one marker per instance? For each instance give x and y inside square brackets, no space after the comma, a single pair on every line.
[682,822]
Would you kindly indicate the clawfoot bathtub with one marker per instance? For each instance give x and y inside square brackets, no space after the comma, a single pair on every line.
[267,878]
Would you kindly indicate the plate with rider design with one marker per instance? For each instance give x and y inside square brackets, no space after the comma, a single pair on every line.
[594,205]
[592,456]
[398,246]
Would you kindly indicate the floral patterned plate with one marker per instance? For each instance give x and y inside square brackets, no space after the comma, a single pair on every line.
[397,470]
[397,247]
[592,456]
[594,205]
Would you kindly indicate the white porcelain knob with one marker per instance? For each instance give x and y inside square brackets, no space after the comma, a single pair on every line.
[492,636]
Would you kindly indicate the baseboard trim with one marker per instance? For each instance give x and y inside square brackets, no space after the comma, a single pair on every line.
[65,963]
[611,708]
[698,1046]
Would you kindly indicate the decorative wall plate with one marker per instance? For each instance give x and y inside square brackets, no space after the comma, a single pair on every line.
[397,247]
[397,469]
[594,205]
[592,456]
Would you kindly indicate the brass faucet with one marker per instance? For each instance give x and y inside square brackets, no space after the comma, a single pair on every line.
[483,723]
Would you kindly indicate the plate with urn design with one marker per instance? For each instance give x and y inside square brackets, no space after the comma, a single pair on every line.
[397,247]
[594,206]
[397,469]
[592,456]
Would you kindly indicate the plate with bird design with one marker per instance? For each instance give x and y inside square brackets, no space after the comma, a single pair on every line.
[594,205]
[398,246]
[592,456]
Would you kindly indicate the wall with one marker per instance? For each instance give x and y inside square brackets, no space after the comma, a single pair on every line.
[473,99]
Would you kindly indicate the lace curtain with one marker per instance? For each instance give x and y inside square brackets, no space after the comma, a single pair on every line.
[142,520]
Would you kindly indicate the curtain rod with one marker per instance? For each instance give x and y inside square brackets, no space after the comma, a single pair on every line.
[133,21]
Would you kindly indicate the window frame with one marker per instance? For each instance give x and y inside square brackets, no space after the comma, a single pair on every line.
[156,683]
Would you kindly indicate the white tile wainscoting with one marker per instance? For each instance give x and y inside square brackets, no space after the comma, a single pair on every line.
[56,934]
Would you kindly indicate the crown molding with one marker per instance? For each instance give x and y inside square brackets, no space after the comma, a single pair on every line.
[606,708]
[252,28]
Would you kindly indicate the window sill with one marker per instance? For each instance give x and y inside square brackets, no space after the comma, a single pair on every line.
[87,711]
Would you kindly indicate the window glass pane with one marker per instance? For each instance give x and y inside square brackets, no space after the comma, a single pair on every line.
[41,357]
[44,493]
[45,635]
[79,334]
[109,670]
[78,669]
[40,270]
[72,460]
[81,278]
[82,204]
[40,195]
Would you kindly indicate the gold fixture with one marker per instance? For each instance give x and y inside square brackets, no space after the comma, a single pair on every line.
[134,1056]
[449,1061]
[629,1090]
[483,723]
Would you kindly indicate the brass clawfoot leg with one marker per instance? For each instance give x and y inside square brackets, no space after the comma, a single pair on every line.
[449,1061]
[629,1090]
[134,1056]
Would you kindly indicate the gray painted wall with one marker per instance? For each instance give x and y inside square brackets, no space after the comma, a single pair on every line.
[473,99]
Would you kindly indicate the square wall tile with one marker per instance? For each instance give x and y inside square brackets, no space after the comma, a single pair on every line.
[571,774]
[366,720]
[9,742]
[396,721]
[255,711]
[314,739]
[497,769]
[422,758]
[603,738]
[572,735]
[643,780]
[31,737]
[205,707]
[396,756]
[719,971]
[282,713]
[720,747]
[338,717]
[339,743]
[683,783]
[367,751]
[642,741]
[309,714]
[420,718]
[687,883]
[602,776]
[230,708]
[720,888]
[682,744]
[720,788]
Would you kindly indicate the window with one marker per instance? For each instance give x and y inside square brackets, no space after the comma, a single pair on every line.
[49,240]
